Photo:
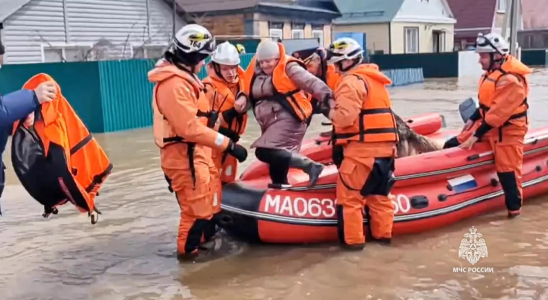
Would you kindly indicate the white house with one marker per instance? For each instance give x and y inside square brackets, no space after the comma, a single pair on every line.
[398,26]
[37,31]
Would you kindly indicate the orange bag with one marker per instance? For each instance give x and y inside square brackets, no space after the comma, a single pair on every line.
[57,160]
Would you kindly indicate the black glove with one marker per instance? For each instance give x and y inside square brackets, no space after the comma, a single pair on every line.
[316,106]
[229,134]
[239,152]
[230,114]
[324,107]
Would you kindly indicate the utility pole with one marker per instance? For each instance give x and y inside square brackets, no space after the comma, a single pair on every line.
[507,23]
[174,19]
[514,19]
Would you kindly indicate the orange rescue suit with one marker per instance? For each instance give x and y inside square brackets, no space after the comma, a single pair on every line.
[376,122]
[331,77]
[221,96]
[181,117]
[57,159]
[290,97]
[503,117]
[366,128]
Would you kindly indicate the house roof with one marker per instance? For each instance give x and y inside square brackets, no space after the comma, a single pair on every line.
[9,7]
[196,6]
[534,14]
[473,13]
[298,7]
[367,11]
[192,6]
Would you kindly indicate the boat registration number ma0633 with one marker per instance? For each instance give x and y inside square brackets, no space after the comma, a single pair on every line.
[300,206]
[318,207]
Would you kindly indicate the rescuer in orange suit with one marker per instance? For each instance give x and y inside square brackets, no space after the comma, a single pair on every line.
[183,131]
[365,127]
[501,118]
[225,84]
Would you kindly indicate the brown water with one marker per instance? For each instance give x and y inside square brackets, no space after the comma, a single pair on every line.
[128,254]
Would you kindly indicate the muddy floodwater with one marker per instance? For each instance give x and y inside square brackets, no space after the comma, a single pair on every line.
[129,253]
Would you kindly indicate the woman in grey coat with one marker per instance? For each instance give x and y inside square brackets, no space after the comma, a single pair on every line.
[282,133]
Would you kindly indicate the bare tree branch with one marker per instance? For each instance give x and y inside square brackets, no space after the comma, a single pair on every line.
[162,29]
[128,36]
[45,41]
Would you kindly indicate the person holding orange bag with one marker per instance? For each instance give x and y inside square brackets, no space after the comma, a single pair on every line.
[15,106]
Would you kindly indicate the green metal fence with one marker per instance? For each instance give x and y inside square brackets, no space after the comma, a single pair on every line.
[126,94]
[79,81]
[116,95]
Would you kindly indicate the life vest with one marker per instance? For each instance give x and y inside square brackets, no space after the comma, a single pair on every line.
[224,100]
[57,159]
[290,97]
[331,77]
[376,122]
[165,135]
[487,87]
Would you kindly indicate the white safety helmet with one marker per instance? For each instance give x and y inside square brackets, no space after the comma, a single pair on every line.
[192,44]
[344,48]
[226,54]
[492,43]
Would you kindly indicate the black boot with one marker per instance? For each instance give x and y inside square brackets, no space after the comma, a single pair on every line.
[310,167]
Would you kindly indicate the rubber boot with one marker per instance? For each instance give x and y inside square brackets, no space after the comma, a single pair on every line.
[512,215]
[310,167]
[356,247]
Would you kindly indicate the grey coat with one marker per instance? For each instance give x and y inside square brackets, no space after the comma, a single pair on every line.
[279,129]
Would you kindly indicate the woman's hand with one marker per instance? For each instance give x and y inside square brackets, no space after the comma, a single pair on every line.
[240,104]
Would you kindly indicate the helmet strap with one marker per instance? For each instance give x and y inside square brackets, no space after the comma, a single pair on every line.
[217,70]
[355,62]
[493,61]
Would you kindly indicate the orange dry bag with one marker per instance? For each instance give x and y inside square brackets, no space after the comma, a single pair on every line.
[57,159]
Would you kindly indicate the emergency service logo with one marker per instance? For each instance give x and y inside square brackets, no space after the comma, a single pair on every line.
[473,248]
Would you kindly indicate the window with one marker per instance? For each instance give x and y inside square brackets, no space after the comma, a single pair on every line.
[77,53]
[501,6]
[411,39]
[545,40]
[276,30]
[528,41]
[53,55]
[438,41]
[317,33]
[297,31]
[67,53]
[148,51]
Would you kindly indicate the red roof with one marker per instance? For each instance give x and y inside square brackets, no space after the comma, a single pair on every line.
[473,13]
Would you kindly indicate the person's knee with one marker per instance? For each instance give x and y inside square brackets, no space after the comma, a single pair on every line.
[196,200]
[272,156]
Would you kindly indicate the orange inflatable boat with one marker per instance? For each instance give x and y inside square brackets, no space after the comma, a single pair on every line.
[319,149]
[432,190]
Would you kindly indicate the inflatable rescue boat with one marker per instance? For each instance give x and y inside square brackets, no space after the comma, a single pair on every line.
[432,190]
[319,148]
